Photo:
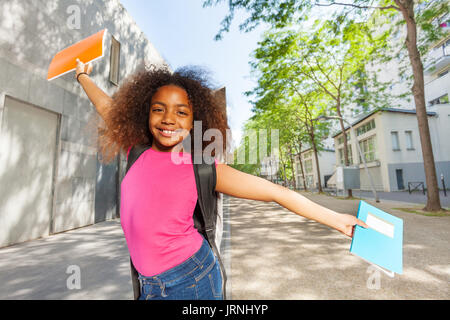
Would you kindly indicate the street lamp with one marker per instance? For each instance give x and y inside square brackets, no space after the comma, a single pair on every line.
[357,145]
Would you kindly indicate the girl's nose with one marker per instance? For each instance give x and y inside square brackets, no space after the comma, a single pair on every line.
[168,118]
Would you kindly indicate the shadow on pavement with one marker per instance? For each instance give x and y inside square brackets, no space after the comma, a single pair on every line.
[279,255]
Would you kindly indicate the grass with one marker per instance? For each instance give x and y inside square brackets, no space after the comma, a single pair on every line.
[442,213]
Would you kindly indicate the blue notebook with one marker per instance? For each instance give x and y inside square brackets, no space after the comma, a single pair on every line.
[382,243]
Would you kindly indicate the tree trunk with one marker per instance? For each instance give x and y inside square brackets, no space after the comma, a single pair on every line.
[418,90]
[316,157]
[292,168]
[301,167]
[346,158]
[318,169]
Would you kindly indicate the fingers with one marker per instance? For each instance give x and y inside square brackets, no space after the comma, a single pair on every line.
[80,64]
[81,67]
[362,224]
[352,233]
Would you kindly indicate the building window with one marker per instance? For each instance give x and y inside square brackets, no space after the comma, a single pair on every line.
[441,100]
[368,149]
[409,140]
[342,155]
[395,142]
[114,62]
[308,166]
[443,73]
[365,128]
[341,139]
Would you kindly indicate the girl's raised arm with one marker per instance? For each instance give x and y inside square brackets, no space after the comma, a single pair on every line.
[98,97]
[242,185]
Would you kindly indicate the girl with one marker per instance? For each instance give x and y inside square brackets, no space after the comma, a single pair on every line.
[158,107]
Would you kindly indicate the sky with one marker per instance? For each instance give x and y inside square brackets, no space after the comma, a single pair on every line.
[183,32]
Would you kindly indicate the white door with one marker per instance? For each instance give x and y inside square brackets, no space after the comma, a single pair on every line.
[28,139]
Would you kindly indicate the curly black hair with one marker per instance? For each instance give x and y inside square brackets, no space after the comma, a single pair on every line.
[127,118]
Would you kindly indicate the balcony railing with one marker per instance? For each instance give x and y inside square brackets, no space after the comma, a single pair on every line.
[438,59]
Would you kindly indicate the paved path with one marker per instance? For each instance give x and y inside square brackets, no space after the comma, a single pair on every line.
[279,255]
[37,269]
[44,269]
[274,254]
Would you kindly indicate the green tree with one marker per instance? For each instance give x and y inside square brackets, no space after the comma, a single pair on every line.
[309,107]
[279,13]
[323,68]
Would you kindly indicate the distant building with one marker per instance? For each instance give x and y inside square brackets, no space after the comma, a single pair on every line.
[437,74]
[51,179]
[389,138]
[269,167]
[390,142]
[326,165]
[436,64]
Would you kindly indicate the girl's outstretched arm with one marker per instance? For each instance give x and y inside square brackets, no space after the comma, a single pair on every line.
[98,97]
[242,185]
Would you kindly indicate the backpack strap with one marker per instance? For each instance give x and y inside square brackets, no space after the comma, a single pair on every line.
[206,177]
[135,153]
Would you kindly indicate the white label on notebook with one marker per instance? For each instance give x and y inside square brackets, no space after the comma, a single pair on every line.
[380,225]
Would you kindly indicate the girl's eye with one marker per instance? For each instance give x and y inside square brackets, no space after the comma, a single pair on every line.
[157,109]
[183,113]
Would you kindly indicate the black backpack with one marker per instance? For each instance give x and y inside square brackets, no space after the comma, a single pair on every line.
[207,215]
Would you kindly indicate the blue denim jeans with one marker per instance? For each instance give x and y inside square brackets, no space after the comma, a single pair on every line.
[197,278]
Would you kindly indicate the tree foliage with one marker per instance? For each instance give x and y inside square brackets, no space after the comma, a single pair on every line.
[419,18]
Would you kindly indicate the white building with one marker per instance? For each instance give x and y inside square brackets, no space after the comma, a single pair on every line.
[437,74]
[389,139]
[436,63]
[326,165]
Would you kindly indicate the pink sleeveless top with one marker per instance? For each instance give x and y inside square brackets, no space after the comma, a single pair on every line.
[158,199]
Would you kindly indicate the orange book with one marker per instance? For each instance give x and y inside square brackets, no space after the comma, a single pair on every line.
[87,50]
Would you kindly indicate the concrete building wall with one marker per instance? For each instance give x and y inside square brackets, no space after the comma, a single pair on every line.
[27,171]
[441,128]
[326,164]
[411,161]
[377,178]
[382,175]
[415,172]
[31,33]
[395,167]
[400,123]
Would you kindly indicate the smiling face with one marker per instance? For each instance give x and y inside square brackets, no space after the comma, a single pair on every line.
[171,117]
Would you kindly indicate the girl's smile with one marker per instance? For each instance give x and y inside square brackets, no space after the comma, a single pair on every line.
[171,117]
